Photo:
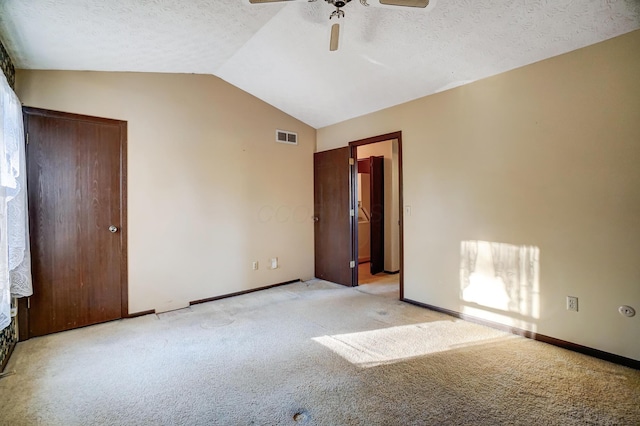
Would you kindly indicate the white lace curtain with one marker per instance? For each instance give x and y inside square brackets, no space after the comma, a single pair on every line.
[15,257]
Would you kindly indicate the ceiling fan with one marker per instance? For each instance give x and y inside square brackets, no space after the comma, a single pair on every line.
[339,13]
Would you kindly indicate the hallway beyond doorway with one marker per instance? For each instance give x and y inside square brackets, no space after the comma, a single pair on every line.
[365,277]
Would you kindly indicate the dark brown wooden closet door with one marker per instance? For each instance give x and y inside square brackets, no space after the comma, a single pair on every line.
[76,186]
[332,213]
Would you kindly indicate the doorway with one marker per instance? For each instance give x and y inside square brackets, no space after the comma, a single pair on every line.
[335,218]
[76,179]
[378,225]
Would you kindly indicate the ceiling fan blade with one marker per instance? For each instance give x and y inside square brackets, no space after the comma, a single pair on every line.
[335,37]
[275,1]
[403,3]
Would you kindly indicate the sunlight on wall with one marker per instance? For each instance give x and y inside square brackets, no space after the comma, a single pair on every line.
[501,282]
[395,344]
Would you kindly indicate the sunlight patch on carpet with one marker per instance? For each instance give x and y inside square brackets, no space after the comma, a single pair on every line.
[394,344]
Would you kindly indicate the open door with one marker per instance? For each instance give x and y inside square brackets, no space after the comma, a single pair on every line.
[376,174]
[332,232]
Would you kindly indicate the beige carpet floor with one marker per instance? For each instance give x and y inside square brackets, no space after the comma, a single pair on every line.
[311,353]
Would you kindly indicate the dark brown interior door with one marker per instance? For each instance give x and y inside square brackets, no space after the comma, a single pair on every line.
[376,223]
[332,233]
[76,185]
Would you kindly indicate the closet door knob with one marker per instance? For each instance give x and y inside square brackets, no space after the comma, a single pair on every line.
[113,229]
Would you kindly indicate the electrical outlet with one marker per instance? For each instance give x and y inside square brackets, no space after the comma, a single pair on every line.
[572,303]
[274,263]
[254,266]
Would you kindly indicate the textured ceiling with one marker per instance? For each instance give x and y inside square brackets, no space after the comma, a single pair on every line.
[279,51]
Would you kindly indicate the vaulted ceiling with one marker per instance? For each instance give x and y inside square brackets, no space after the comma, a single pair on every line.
[279,52]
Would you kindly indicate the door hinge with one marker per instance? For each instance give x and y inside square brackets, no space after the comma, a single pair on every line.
[352,162]
[28,303]
[352,212]
[352,264]
[27,138]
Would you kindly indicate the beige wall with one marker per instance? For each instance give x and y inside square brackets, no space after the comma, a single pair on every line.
[210,190]
[391,229]
[547,155]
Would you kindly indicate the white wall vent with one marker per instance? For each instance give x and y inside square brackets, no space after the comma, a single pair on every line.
[284,136]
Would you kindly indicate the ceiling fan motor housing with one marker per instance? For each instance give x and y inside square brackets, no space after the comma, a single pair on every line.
[338,3]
